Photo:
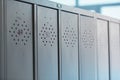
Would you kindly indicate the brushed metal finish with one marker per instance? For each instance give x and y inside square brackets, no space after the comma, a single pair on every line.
[114,32]
[102,51]
[69,53]
[87,48]
[32,47]
[1,42]
[19,41]
[47,44]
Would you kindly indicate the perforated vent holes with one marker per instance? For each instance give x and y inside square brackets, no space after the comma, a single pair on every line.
[48,33]
[87,39]
[20,31]
[69,36]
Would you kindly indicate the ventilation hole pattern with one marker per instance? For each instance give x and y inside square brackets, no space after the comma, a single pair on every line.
[87,39]
[20,31]
[69,37]
[48,34]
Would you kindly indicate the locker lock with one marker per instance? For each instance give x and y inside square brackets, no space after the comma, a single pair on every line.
[59,6]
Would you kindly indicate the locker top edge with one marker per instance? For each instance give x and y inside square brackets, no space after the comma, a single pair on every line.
[78,11]
[59,7]
[106,18]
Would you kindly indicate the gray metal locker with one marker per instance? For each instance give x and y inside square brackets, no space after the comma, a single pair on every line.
[44,40]
[114,37]
[87,50]
[47,43]
[69,46]
[102,50]
[19,43]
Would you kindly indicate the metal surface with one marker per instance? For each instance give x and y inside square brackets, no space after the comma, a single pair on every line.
[1,24]
[102,51]
[19,41]
[69,53]
[47,44]
[35,45]
[1,5]
[59,52]
[1,42]
[87,48]
[114,32]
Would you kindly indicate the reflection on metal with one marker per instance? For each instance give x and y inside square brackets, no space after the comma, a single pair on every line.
[69,53]
[114,31]
[19,54]
[88,48]
[47,44]
[50,41]
[102,39]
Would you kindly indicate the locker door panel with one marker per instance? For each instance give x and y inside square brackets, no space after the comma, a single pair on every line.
[102,43]
[69,53]
[87,48]
[19,57]
[114,50]
[47,44]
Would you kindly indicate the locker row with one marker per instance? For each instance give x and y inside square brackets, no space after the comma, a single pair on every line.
[42,40]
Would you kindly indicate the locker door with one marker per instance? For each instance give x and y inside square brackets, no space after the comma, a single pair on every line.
[102,43]
[69,53]
[114,50]
[87,48]
[47,44]
[19,57]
